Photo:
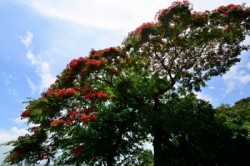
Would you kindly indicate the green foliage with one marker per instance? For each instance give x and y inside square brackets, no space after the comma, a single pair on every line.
[145,158]
[237,117]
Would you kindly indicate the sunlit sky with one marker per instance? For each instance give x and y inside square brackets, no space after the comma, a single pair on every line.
[39,37]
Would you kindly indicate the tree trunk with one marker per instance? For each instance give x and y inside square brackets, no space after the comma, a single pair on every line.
[157,142]
[110,160]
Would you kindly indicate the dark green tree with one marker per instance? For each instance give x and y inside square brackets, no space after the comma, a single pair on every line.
[195,135]
[236,120]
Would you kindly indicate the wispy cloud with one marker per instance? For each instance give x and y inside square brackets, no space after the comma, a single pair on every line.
[26,39]
[43,70]
[42,67]
[20,121]
[237,77]
[9,78]
[32,86]
[111,14]
[206,97]
[12,91]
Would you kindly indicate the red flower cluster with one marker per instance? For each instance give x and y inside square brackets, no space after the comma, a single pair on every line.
[161,13]
[25,114]
[15,156]
[67,78]
[75,62]
[95,54]
[99,95]
[225,10]
[84,115]
[86,118]
[199,16]
[70,91]
[65,92]
[143,26]
[77,151]
[56,122]
[72,116]
[87,89]
[94,63]
[88,110]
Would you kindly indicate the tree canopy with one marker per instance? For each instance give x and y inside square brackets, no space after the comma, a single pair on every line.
[103,107]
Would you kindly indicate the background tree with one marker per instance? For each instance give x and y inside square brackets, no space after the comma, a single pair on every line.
[194,135]
[102,107]
[237,117]
[236,120]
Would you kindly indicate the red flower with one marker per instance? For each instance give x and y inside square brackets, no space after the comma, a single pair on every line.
[70,92]
[61,92]
[77,151]
[54,123]
[85,118]
[87,89]
[25,114]
[96,63]
[98,94]
[88,110]
[102,95]
[93,117]
[75,62]
[67,78]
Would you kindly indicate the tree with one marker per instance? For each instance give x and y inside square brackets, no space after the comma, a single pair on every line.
[193,134]
[237,117]
[102,107]
[184,49]
[236,120]
[83,117]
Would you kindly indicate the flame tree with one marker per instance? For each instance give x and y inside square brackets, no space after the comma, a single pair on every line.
[102,107]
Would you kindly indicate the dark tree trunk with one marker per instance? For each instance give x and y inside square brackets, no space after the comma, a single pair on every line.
[111,156]
[157,142]
[110,160]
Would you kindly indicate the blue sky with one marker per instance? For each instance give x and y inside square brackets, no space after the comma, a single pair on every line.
[38,38]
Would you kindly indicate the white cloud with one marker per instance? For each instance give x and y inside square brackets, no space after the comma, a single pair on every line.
[236,77]
[111,14]
[42,67]
[12,91]
[32,58]
[9,79]
[9,135]
[27,39]
[245,79]
[43,70]
[206,97]
[20,121]
[211,87]
[248,65]
[32,85]
[12,134]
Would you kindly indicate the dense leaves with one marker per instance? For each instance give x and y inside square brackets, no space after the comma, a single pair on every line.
[102,107]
